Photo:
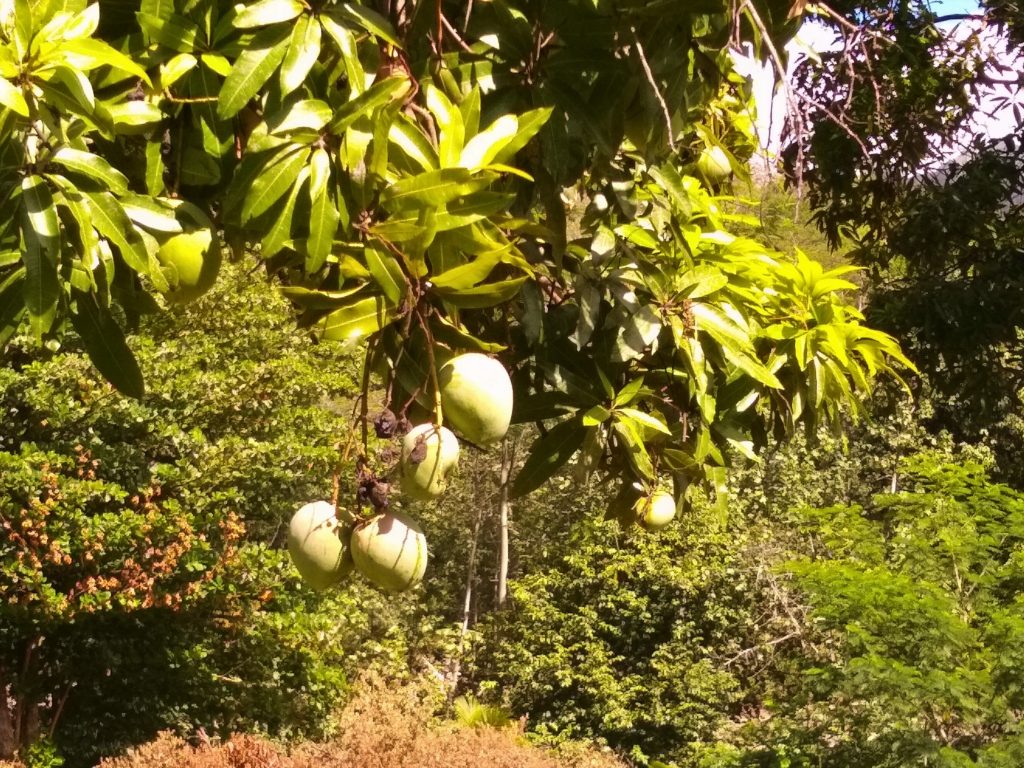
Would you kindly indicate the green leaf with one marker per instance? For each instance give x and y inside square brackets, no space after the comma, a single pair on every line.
[268,12]
[346,42]
[12,304]
[323,214]
[636,452]
[149,213]
[456,337]
[41,236]
[541,406]
[599,414]
[251,70]
[435,188]
[363,105]
[174,32]
[408,137]
[372,22]
[307,114]
[352,323]
[105,342]
[528,125]
[646,419]
[630,392]
[318,300]
[93,166]
[473,273]
[547,455]
[113,223]
[387,273]
[449,123]
[273,182]
[303,51]
[281,230]
[638,333]
[482,296]
[90,53]
[133,115]
[12,97]
[485,146]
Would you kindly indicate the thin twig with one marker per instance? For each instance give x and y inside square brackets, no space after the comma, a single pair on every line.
[455,35]
[654,86]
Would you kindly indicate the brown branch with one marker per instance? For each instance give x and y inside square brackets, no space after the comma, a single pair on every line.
[654,86]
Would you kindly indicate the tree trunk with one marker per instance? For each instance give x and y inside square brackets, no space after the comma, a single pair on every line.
[7,744]
[504,510]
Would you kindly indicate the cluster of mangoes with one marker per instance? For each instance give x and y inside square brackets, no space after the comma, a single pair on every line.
[389,548]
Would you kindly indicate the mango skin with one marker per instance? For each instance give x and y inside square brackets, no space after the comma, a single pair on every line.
[428,479]
[391,551]
[318,549]
[476,397]
[656,511]
[713,164]
[192,260]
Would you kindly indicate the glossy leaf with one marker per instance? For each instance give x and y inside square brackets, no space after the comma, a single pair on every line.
[548,454]
[106,345]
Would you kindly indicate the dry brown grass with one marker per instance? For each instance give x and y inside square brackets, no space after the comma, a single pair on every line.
[380,728]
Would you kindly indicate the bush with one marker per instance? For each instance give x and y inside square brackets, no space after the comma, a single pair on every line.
[143,582]
[382,727]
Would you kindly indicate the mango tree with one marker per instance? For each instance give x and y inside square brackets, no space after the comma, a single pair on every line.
[403,169]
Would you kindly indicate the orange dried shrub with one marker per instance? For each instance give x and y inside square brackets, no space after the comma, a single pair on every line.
[381,727]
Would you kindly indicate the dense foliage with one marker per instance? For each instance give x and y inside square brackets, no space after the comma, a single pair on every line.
[400,167]
[143,585]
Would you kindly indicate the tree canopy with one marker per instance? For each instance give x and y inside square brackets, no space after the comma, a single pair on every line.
[403,169]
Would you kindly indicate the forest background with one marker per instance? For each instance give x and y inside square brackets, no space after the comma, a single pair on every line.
[851,598]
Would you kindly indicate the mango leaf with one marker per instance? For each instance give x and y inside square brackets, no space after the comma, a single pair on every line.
[267,12]
[89,53]
[363,105]
[41,236]
[547,455]
[323,213]
[638,333]
[449,124]
[630,392]
[309,114]
[251,70]
[371,21]
[541,406]
[599,414]
[404,134]
[130,116]
[273,182]
[280,232]
[105,342]
[636,451]
[485,146]
[435,188]
[303,51]
[352,323]
[113,223]
[646,419]
[308,298]
[12,304]
[528,125]
[12,97]
[481,296]
[473,273]
[387,273]
[455,337]
[148,213]
[174,32]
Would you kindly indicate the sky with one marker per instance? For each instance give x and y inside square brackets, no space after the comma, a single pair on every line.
[815,37]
